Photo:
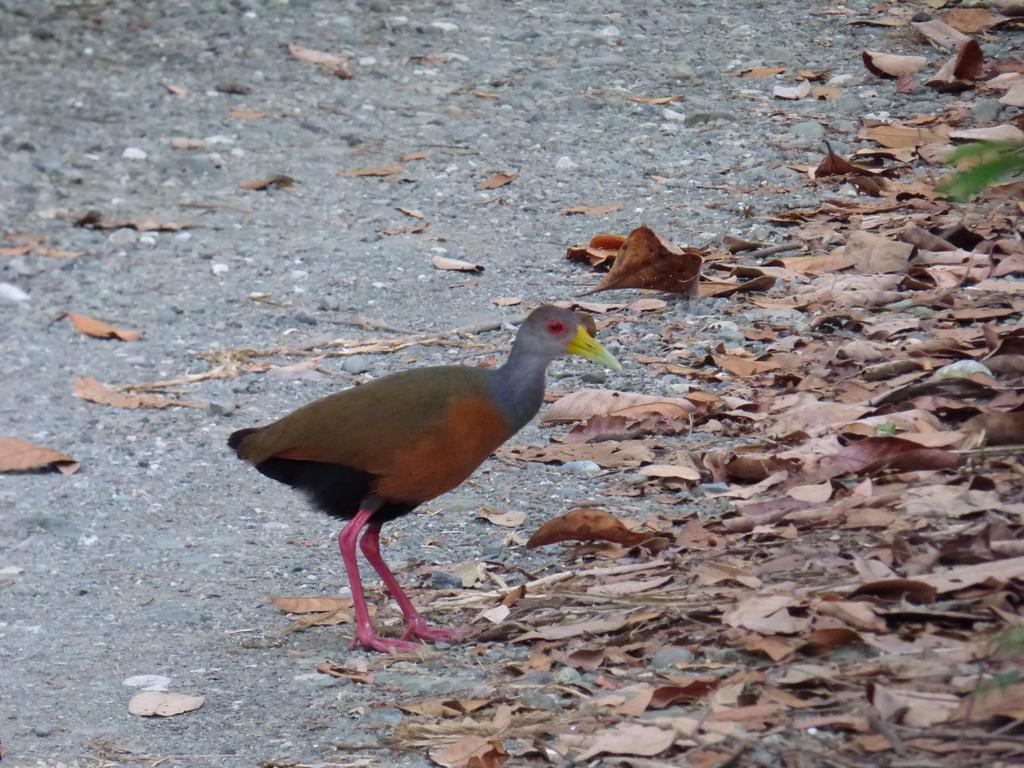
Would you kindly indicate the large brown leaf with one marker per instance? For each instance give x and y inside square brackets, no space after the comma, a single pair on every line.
[99,329]
[610,402]
[873,453]
[17,456]
[647,261]
[586,524]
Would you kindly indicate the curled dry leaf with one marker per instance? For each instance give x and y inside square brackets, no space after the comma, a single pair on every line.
[379,170]
[626,739]
[600,252]
[994,133]
[98,329]
[507,301]
[279,182]
[973,20]
[411,212]
[471,752]
[18,456]
[457,265]
[685,472]
[181,142]
[315,604]
[590,210]
[586,403]
[792,92]
[873,253]
[657,101]
[956,74]
[88,388]
[504,519]
[244,113]
[163,704]
[757,72]
[332,63]
[627,453]
[940,34]
[892,65]
[96,220]
[499,179]
[897,136]
[358,673]
[587,524]
[874,453]
[647,261]
[999,428]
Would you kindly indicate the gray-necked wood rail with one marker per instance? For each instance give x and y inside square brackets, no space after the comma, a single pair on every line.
[377,451]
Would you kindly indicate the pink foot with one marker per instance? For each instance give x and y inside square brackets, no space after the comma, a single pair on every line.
[374,642]
[424,631]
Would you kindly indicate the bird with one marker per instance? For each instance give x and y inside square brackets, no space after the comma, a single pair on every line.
[377,451]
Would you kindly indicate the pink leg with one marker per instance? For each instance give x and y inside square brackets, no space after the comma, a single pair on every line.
[365,636]
[416,625]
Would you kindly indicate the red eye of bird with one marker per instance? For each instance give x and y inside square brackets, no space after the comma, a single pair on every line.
[556,326]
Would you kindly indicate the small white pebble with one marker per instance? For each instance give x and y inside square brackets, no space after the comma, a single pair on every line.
[565,163]
[445,26]
[134,153]
[219,268]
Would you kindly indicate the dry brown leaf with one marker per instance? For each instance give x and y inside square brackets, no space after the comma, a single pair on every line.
[647,261]
[658,101]
[315,604]
[899,136]
[507,301]
[757,72]
[586,403]
[687,473]
[379,170]
[163,704]
[892,65]
[972,20]
[504,519]
[874,453]
[999,428]
[357,673]
[457,265]
[332,63]
[98,329]
[873,253]
[88,388]
[955,75]
[600,252]
[610,455]
[962,577]
[611,622]
[18,456]
[482,94]
[16,250]
[499,179]
[792,92]
[720,290]
[586,524]
[278,182]
[590,210]
[411,212]
[181,142]
[993,700]
[175,90]
[627,739]
[812,494]
[836,165]
[940,34]
[244,113]
[767,615]
[919,709]
[994,133]
[96,220]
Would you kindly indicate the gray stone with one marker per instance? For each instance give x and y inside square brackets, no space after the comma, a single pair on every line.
[302,316]
[670,655]
[701,118]
[582,467]
[848,103]
[986,111]
[807,133]
[356,364]
[120,238]
[568,675]
[43,730]
[594,377]
[444,580]
[419,685]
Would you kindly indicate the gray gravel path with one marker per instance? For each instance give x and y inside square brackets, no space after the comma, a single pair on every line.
[156,557]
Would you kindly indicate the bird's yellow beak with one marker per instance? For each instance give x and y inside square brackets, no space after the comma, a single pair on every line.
[583,344]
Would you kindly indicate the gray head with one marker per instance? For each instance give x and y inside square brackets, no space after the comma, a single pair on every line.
[550,332]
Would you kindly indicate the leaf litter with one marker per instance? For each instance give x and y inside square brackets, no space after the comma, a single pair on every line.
[839,535]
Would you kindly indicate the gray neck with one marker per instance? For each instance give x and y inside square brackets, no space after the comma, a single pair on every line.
[518,385]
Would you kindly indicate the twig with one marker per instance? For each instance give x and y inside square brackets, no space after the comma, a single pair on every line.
[771,250]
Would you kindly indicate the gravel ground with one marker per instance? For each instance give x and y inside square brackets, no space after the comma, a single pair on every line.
[156,557]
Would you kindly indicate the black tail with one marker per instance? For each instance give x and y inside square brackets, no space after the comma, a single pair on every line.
[236,438]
